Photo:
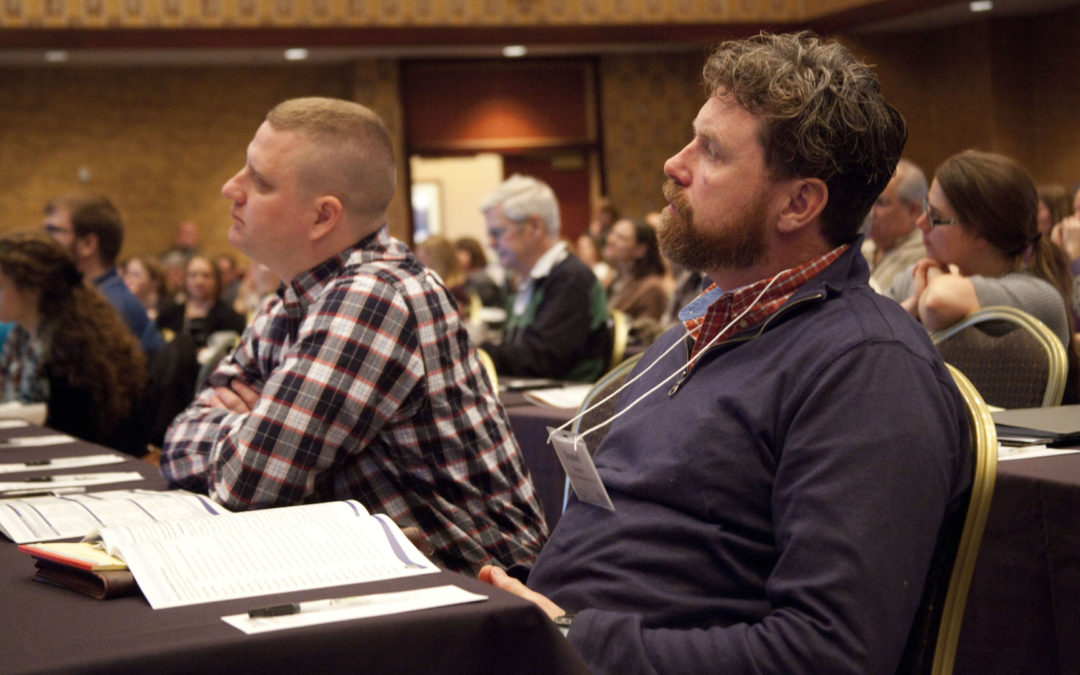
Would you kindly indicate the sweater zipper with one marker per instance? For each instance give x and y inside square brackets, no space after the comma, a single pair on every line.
[739,340]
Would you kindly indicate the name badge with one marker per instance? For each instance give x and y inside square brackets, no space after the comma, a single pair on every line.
[578,464]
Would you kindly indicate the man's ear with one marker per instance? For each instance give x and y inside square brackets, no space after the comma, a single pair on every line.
[915,210]
[328,214]
[86,246]
[805,199]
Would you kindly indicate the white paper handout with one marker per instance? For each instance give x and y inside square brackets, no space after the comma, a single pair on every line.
[1007,452]
[52,482]
[61,463]
[239,555]
[315,612]
[37,441]
[570,396]
[49,518]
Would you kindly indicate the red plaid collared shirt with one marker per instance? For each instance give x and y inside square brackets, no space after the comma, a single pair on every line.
[716,319]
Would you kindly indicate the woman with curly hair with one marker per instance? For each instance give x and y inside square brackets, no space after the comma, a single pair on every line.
[69,347]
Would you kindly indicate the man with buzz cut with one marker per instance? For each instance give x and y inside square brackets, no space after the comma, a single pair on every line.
[776,505]
[359,380]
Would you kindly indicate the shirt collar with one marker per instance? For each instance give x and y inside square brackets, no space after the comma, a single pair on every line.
[308,285]
[547,262]
[709,315]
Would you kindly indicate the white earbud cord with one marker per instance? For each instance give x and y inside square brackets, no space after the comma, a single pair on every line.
[666,379]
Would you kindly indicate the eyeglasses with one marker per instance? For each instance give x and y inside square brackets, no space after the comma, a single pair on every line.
[933,220]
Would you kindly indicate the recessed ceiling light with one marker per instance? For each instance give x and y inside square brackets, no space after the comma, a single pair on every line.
[514,51]
[981,5]
[296,54]
[56,56]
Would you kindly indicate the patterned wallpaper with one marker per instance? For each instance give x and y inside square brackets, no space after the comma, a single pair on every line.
[647,104]
[392,13]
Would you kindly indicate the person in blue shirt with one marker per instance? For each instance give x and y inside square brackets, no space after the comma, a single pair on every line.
[91,229]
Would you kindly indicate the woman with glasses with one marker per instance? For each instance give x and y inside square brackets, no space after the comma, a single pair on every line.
[979,227]
[978,224]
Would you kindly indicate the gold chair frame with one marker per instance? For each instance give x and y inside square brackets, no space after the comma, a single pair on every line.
[489,366]
[984,447]
[1057,357]
[620,336]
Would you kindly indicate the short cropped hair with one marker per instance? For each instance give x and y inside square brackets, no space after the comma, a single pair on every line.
[97,216]
[525,196]
[355,158]
[822,117]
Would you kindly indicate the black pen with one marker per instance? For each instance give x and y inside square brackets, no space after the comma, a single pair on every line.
[288,609]
[274,610]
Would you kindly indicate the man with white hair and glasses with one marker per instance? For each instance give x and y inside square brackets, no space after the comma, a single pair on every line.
[557,320]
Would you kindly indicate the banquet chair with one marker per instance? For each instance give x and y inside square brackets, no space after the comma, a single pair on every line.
[931,646]
[606,385]
[489,367]
[1012,358]
[620,335]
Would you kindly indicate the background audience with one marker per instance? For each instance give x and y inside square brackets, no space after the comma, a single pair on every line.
[1055,205]
[478,281]
[979,225]
[203,313]
[92,232]
[69,348]
[146,280]
[641,287]
[893,241]
[557,320]
[438,253]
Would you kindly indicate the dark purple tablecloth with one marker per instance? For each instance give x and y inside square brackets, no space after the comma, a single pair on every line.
[1023,611]
[47,629]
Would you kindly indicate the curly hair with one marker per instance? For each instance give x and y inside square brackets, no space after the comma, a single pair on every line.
[822,117]
[90,347]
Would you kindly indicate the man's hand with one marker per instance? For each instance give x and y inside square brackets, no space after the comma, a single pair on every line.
[238,397]
[417,538]
[496,577]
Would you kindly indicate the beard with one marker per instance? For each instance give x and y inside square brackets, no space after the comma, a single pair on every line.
[738,244]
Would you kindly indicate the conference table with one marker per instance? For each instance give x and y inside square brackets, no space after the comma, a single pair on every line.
[48,629]
[1023,609]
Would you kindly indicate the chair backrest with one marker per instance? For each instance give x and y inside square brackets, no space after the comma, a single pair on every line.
[606,385]
[171,374]
[1012,358]
[932,643]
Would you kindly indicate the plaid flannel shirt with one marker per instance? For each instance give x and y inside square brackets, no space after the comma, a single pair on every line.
[370,390]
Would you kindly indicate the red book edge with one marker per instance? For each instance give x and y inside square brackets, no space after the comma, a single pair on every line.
[33,550]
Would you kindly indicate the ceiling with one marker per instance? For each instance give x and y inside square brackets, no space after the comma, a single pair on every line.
[150,47]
